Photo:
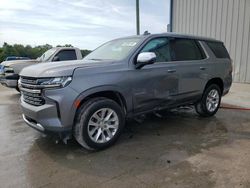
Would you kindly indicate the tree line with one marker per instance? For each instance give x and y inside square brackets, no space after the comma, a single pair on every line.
[28,51]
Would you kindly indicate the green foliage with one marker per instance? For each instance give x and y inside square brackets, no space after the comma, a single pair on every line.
[66,45]
[22,51]
[28,51]
[85,52]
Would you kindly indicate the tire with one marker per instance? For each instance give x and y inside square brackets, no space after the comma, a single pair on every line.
[87,123]
[17,89]
[203,108]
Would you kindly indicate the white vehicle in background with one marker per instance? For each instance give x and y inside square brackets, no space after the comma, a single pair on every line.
[9,70]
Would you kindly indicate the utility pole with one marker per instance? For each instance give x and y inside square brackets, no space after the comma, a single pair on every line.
[137,17]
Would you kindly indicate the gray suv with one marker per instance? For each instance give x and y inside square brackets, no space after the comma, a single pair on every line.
[121,79]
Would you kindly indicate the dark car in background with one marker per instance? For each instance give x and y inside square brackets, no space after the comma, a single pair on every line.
[1,71]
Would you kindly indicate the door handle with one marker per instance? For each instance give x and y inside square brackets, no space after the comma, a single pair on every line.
[171,70]
[203,68]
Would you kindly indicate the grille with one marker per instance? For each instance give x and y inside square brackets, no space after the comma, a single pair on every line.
[30,92]
[26,80]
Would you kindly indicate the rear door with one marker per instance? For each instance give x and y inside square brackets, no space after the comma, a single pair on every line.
[192,66]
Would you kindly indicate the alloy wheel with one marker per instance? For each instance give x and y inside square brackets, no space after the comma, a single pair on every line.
[103,125]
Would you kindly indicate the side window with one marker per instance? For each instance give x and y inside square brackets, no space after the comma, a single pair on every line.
[185,50]
[65,55]
[160,46]
[218,49]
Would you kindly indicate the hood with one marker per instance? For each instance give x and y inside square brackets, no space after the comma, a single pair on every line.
[10,63]
[18,65]
[62,68]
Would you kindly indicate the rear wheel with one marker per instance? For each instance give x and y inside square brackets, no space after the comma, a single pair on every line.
[210,102]
[99,123]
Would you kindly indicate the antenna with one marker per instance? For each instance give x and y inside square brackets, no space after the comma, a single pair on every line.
[146,33]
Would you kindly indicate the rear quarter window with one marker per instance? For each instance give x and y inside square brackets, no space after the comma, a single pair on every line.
[218,49]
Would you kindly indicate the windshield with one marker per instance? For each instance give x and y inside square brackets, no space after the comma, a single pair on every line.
[16,58]
[113,50]
[47,55]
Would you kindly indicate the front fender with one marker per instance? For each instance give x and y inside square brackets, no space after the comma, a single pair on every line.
[126,96]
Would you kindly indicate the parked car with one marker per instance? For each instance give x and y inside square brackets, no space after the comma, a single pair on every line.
[1,71]
[12,58]
[122,79]
[11,69]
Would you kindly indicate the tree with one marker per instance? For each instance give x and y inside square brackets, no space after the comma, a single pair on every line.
[85,52]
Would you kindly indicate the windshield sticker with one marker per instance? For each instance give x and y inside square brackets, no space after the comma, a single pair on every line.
[129,44]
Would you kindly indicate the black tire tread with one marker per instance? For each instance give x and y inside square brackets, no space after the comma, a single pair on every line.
[81,116]
[200,107]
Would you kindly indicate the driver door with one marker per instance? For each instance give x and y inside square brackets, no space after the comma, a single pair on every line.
[155,85]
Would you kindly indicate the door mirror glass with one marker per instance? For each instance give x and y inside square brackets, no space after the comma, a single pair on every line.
[145,58]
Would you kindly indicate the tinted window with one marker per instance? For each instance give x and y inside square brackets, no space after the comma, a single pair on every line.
[185,49]
[218,49]
[65,55]
[160,46]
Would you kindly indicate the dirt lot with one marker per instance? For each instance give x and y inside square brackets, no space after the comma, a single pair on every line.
[178,150]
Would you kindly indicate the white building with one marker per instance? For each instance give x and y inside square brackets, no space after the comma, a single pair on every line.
[226,20]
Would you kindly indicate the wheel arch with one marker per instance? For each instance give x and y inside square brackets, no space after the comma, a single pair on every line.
[218,81]
[109,92]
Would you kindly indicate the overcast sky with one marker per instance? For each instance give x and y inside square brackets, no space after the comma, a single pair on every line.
[82,23]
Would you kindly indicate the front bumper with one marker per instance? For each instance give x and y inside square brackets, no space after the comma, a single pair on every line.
[9,80]
[55,116]
[9,83]
[42,118]
[33,124]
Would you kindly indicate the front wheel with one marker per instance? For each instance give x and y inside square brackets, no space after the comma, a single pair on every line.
[99,123]
[210,101]
[17,89]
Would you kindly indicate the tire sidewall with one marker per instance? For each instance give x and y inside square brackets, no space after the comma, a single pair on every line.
[89,111]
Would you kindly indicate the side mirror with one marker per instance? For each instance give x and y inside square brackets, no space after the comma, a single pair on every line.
[145,58]
[56,58]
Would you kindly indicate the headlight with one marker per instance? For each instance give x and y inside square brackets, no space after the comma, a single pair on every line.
[57,82]
[8,69]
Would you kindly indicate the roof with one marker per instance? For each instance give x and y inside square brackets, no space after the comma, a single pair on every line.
[65,48]
[180,35]
[176,35]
